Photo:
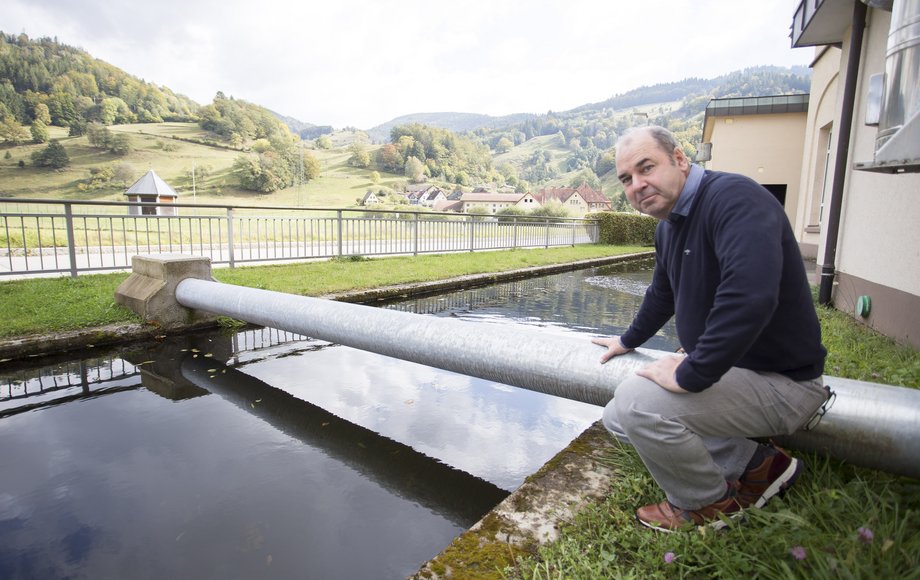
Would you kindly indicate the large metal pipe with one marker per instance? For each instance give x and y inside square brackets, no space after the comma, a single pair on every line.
[870,424]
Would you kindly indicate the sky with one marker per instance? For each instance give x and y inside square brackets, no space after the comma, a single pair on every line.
[361,63]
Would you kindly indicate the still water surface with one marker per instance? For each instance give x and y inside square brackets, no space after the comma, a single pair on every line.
[262,454]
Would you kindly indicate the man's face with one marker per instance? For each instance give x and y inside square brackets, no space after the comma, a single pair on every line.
[652,178]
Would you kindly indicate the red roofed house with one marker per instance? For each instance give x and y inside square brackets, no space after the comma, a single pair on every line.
[581,199]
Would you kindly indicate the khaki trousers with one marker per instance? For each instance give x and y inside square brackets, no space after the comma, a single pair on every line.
[692,443]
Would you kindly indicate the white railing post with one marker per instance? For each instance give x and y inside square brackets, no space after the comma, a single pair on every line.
[230,254]
[71,239]
[338,222]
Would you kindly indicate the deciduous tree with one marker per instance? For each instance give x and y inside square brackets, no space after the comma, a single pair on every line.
[389,159]
[415,170]
[42,114]
[121,144]
[359,155]
[311,166]
[39,132]
[53,156]
[11,131]
[323,142]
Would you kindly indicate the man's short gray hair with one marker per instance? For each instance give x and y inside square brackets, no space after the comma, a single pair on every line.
[662,136]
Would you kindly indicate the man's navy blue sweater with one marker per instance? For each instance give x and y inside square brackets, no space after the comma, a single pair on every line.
[732,273]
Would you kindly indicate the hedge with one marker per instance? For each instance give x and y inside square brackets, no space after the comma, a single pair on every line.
[625,229]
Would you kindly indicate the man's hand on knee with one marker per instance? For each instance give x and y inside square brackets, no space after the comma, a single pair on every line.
[662,371]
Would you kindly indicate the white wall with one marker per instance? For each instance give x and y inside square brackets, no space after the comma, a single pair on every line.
[879,237]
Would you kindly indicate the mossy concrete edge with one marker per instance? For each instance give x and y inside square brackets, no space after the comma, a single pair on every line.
[532,515]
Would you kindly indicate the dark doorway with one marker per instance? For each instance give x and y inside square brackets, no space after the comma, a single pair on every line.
[778,191]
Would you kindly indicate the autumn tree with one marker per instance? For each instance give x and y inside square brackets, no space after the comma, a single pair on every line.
[311,166]
[323,142]
[39,132]
[11,131]
[389,159]
[415,170]
[359,155]
[504,145]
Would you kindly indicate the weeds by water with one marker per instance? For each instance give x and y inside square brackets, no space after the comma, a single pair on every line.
[838,521]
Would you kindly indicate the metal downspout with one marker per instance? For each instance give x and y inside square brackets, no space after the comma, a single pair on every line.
[842,154]
[869,424]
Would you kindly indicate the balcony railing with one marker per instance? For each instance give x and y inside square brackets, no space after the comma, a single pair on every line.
[48,237]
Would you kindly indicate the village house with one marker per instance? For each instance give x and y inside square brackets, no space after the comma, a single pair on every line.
[448,205]
[579,200]
[494,202]
[370,198]
[425,195]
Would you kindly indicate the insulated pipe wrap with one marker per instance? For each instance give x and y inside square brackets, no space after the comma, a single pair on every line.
[869,424]
[564,366]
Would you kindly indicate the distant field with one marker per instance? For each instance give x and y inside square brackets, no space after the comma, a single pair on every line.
[338,185]
[518,155]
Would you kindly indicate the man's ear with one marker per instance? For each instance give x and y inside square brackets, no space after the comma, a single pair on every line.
[681,158]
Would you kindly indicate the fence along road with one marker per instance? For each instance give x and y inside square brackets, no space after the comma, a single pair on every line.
[40,237]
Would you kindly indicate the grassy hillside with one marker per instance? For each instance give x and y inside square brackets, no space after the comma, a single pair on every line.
[170,150]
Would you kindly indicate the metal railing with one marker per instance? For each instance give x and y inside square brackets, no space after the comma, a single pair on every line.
[22,391]
[54,236]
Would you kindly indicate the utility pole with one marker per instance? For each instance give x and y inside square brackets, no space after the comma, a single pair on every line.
[300,194]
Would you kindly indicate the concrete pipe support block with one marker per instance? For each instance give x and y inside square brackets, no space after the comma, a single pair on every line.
[150,290]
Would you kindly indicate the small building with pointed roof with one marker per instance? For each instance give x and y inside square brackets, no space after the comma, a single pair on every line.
[151,188]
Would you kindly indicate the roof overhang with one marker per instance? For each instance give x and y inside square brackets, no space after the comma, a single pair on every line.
[821,22]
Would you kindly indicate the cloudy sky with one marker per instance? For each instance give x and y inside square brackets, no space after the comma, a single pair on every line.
[363,62]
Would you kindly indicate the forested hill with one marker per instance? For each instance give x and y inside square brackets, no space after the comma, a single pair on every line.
[77,88]
[759,81]
[457,122]
[690,95]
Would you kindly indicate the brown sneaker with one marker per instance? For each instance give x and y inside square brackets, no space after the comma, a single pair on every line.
[776,473]
[667,517]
